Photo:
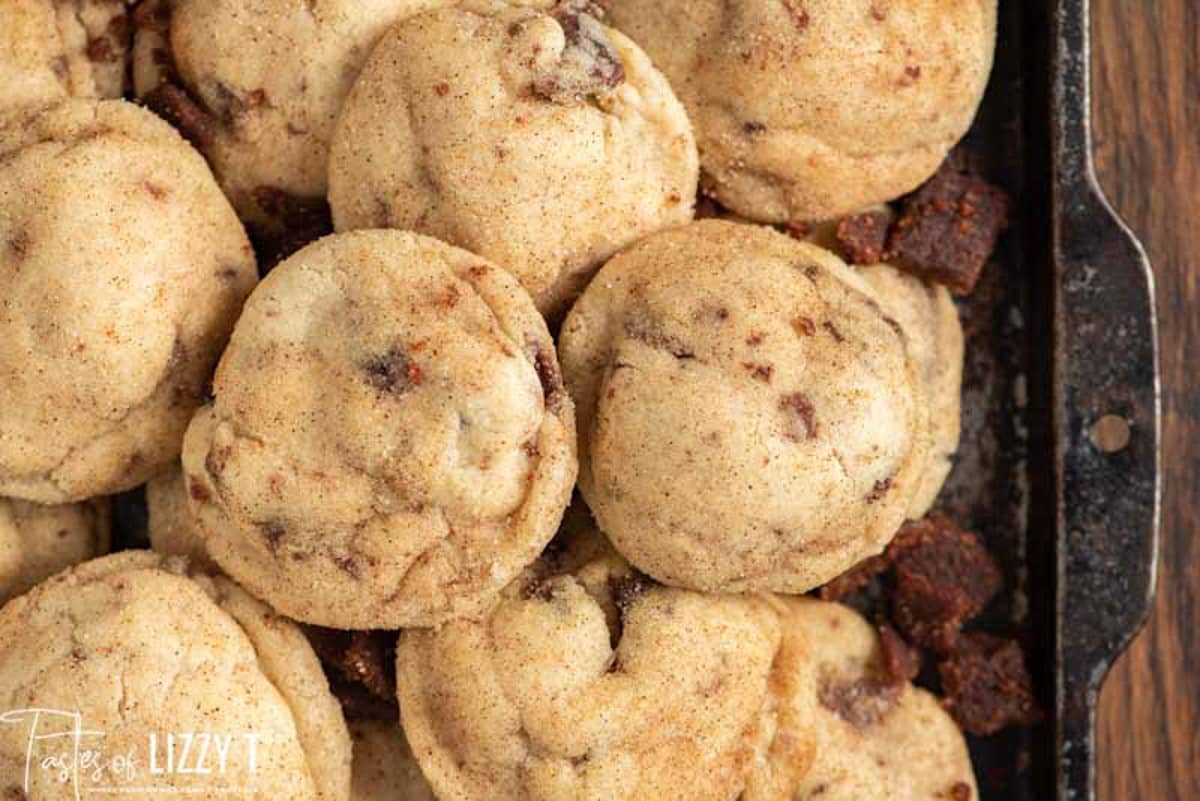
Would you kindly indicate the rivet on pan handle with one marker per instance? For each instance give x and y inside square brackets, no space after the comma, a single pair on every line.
[1107,418]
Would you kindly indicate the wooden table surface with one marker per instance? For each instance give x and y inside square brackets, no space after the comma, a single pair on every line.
[1146,110]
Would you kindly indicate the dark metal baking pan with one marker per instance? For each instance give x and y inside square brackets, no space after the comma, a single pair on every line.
[1059,463]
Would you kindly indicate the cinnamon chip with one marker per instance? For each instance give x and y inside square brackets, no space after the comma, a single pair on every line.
[863,236]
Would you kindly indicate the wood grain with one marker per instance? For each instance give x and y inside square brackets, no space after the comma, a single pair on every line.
[1146,111]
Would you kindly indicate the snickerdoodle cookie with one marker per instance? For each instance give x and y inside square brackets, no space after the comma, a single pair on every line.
[531,134]
[390,442]
[928,316]
[122,268]
[590,680]
[808,109]
[38,541]
[172,527]
[876,736]
[54,49]
[384,766]
[137,645]
[257,86]
[749,416]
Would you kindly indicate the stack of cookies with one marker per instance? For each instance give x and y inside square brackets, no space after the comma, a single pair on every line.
[402,314]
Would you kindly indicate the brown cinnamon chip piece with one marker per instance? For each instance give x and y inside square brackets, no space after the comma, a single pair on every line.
[589,66]
[948,229]
[549,376]
[987,686]
[901,661]
[802,416]
[863,237]
[176,106]
[944,577]
[393,372]
[861,703]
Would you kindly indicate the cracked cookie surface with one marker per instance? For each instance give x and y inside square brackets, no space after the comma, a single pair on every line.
[749,417]
[592,681]
[810,109]
[122,268]
[535,136]
[390,442]
[139,644]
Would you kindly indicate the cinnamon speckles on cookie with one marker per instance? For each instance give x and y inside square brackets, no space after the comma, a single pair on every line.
[874,734]
[123,325]
[807,110]
[589,661]
[258,89]
[813,398]
[532,134]
[406,455]
[137,644]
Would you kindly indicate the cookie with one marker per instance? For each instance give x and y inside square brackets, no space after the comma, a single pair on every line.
[534,136]
[749,417]
[172,528]
[810,109]
[929,318]
[145,652]
[384,767]
[54,49]
[876,735]
[122,268]
[257,86]
[390,443]
[590,680]
[38,541]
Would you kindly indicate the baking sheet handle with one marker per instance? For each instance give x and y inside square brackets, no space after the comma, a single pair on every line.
[1107,422]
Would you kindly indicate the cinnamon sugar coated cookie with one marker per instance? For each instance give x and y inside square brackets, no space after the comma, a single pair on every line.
[257,85]
[929,318]
[590,680]
[390,442]
[54,49]
[137,644]
[532,135]
[122,269]
[749,417]
[171,526]
[384,766]
[875,735]
[810,109]
[38,541]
